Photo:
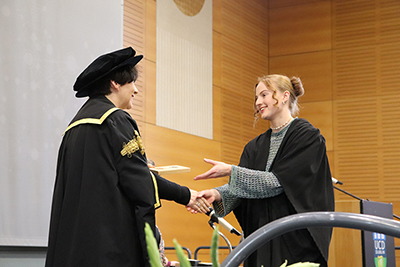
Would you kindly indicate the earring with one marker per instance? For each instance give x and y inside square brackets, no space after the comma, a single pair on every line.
[284,102]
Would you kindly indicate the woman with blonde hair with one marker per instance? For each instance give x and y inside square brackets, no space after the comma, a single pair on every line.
[281,172]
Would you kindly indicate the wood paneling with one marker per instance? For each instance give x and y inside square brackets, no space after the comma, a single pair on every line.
[168,147]
[345,249]
[150,23]
[346,53]
[300,29]
[314,70]
[354,23]
[357,155]
[133,27]
[217,59]
[150,91]
[365,68]
[285,3]
[320,114]
[365,22]
[133,35]
[354,72]
[243,58]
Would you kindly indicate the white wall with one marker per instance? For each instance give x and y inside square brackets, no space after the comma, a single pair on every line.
[44,46]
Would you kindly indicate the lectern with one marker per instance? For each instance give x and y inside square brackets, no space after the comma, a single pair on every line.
[377,249]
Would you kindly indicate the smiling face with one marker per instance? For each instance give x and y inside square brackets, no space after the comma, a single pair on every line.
[268,102]
[122,95]
[126,94]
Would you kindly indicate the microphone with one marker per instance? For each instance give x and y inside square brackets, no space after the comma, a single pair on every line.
[223,222]
[336,181]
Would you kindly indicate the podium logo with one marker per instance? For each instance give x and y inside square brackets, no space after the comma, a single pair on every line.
[379,249]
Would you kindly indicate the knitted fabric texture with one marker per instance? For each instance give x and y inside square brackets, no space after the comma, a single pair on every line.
[251,184]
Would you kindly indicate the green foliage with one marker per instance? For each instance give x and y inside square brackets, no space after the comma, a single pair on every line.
[214,248]
[183,260]
[154,254]
[152,247]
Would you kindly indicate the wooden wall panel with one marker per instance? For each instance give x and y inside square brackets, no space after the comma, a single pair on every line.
[133,35]
[347,54]
[168,147]
[361,22]
[356,147]
[365,68]
[133,25]
[150,23]
[217,59]
[390,146]
[354,23]
[149,91]
[285,3]
[389,21]
[345,249]
[390,66]
[243,58]
[300,29]
[314,70]
[320,114]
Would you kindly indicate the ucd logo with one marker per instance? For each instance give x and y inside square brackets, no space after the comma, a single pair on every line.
[379,249]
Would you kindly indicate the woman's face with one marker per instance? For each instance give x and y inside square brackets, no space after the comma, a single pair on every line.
[127,93]
[266,105]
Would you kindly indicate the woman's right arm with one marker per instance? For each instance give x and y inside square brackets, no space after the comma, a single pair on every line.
[221,198]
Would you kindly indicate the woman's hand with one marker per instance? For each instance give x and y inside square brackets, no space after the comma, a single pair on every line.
[203,201]
[219,169]
[210,195]
[197,203]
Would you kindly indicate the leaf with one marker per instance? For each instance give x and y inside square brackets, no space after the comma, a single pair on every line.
[214,248]
[184,262]
[152,247]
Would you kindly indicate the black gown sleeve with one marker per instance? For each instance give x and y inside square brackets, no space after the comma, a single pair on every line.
[172,191]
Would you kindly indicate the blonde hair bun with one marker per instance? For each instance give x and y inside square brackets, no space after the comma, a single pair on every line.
[298,88]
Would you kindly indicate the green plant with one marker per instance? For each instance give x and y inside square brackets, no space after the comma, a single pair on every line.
[184,262]
[214,248]
[152,247]
[152,250]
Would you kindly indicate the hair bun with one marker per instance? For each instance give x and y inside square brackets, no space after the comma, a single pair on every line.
[297,86]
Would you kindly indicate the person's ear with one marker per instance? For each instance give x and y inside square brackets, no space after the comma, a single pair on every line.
[114,85]
[286,96]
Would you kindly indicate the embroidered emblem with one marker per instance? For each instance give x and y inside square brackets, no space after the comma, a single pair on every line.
[130,148]
[139,142]
[134,145]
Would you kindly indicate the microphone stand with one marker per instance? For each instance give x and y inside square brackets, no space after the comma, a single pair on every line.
[347,193]
[211,223]
[358,198]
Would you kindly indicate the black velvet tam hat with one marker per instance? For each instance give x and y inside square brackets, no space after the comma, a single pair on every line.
[102,66]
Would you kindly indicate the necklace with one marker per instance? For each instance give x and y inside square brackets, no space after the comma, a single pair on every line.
[283,125]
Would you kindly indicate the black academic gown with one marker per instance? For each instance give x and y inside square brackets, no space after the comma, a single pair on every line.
[302,168]
[104,192]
